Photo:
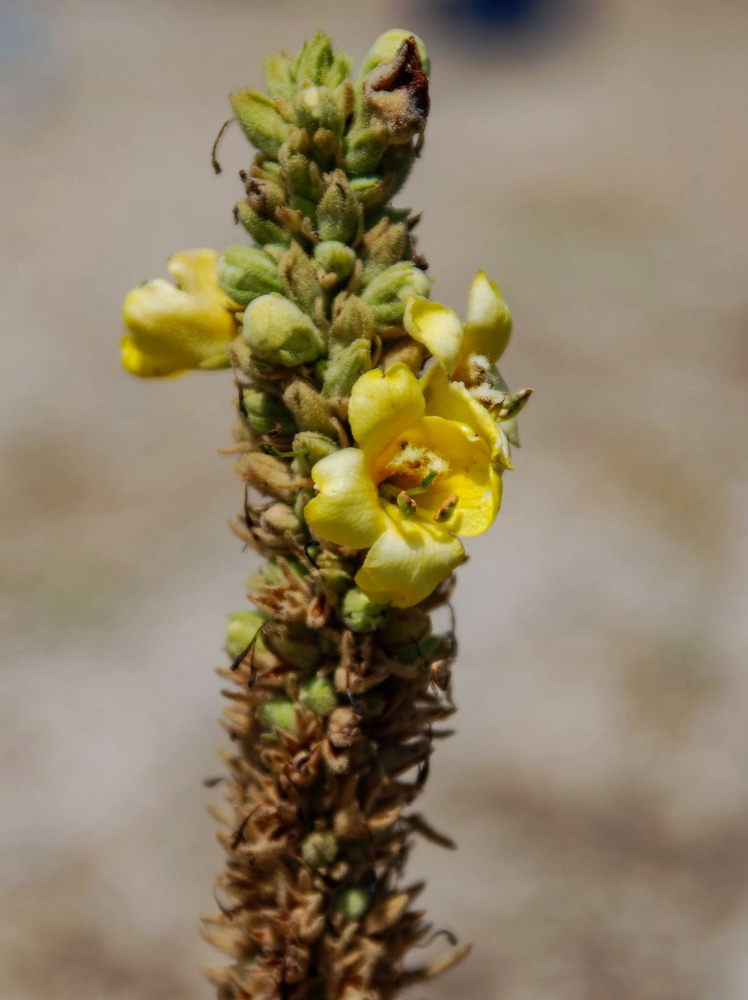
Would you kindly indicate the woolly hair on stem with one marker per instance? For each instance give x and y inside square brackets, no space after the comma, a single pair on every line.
[372,432]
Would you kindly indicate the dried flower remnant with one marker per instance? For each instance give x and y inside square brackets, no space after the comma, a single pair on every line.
[375,427]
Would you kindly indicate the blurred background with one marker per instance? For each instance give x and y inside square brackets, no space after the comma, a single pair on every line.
[593,159]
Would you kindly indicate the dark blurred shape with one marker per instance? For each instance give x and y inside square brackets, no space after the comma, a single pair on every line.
[495,18]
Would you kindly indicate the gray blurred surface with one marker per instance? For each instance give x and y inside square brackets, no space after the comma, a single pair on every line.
[597,784]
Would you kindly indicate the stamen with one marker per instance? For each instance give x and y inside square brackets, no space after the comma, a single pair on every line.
[406,504]
[447,508]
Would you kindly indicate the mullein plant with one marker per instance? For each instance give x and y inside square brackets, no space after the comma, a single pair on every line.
[372,431]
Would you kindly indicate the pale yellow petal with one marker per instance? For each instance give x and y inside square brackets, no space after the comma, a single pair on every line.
[383,406]
[489,322]
[452,401]
[346,510]
[195,272]
[471,477]
[135,362]
[409,559]
[439,329]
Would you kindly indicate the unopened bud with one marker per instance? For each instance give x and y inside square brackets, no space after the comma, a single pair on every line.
[259,227]
[353,903]
[295,646]
[339,71]
[311,446]
[335,257]
[246,272]
[314,60]
[241,629]
[352,320]
[406,626]
[279,520]
[345,369]
[361,614]
[260,120]
[386,47]
[317,107]
[364,146]
[318,694]
[339,215]
[309,409]
[279,75]
[319,848]
[279,333]
[384,245]
[278,713]
[387,293]
[299,277]
[265,413]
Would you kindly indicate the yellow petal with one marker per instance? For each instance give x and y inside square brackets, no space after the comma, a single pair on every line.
[134,361]
[452,401]
[346,510]
[489,322]
[195,271]
[471,477]
[384,406]
[408,560]
[170,330]
[437,328]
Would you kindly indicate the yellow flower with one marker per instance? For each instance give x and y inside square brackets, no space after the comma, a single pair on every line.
[466,353]
[485,333]
[417,480]
[173,329]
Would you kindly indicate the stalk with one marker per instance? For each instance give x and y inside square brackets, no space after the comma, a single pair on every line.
[358,476]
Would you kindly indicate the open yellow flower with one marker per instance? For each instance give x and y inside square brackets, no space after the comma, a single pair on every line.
[173,329]
[484,334]
[463,351]
[417,480]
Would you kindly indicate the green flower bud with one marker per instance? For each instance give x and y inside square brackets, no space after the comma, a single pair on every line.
[339,215]
[278,713]
[335,258]
[258,226]
[360,614]
[302,174]
[364,146]
[339,71]
[309,409]
[260,120]
[299,277]
[429,647]
[317,107]
[371,191]
[311,446]
[353,903]
[352,320]
[279,333]
[279,75]
[406,626]
[384,245]
[319,849]
[245,272]
[318,695]
[314,61]
[387,293]
[295,645]
[241,629]
[344,370]
[265,413]
[386,47]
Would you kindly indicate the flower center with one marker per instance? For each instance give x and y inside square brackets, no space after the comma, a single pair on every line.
[410,473]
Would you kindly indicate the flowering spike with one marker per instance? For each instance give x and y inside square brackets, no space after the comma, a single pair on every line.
[375,426]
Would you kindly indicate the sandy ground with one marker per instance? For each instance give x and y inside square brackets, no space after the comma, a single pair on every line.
[597,785]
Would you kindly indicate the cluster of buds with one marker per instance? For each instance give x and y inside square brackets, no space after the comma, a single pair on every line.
[373,429]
